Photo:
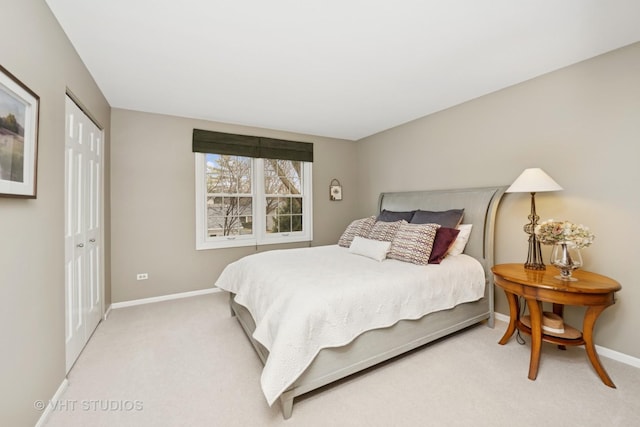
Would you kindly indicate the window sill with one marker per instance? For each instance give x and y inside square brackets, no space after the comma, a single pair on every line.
[238,243]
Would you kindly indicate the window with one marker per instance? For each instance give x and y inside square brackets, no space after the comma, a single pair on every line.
[245,201]
[229,195]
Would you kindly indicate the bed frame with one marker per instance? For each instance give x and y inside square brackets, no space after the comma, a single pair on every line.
[376,346]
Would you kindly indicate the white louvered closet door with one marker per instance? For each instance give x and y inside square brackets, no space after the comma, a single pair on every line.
[84,257]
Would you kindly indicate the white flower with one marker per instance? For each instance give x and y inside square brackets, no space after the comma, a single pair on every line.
[550,232]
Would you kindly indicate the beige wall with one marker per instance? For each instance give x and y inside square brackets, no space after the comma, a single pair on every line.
[32,361]
[153,203]
[580,124]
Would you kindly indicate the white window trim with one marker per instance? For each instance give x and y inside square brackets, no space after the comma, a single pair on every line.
[260,236]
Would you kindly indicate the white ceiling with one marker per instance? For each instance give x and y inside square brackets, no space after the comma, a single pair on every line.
[336,68]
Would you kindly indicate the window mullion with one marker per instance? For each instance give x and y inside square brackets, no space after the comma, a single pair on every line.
[259,200]
[307,201]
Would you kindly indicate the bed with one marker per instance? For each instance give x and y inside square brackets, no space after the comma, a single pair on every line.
[284,377]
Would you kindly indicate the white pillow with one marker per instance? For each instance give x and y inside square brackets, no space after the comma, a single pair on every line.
[461,239]
[374,249]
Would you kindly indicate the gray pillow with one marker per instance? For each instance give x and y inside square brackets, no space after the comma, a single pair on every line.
[392,216]
[451,218]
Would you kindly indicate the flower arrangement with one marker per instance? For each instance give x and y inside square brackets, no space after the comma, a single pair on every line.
[550,232]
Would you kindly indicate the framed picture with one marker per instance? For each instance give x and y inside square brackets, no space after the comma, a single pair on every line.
[335,190]
[19,109]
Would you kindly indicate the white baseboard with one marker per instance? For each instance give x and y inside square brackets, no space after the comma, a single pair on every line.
[602,351]
[106,313]
[48,406]
[501,317]
[169,297]
[620,357]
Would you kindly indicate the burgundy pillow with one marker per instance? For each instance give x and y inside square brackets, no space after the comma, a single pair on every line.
[445,237]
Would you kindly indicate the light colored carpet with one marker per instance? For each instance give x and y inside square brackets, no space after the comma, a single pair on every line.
[187,363]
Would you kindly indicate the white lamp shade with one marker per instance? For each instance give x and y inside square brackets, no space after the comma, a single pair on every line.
[533,180]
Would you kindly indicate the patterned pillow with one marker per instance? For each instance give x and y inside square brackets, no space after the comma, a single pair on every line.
[413,243]
[385,231]
[359,227]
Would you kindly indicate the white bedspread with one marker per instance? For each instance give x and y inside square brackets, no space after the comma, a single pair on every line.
[303,300]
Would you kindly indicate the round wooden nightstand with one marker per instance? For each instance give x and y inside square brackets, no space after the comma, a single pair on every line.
[592,290]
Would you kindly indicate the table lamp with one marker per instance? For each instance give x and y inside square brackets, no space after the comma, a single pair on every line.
[533,180]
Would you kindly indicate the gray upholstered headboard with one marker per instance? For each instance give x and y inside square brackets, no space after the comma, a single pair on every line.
[480,207]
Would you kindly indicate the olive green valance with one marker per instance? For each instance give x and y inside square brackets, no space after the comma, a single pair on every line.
[206,141]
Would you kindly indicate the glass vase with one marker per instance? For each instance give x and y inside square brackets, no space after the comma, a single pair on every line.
[566,256]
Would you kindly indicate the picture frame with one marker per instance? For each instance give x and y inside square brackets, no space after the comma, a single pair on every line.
[19,115]
[335,191]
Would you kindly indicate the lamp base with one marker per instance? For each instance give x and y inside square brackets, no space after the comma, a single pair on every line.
[534,256]
[533,266]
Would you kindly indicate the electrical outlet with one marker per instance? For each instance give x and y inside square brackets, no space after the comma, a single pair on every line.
[142,276]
